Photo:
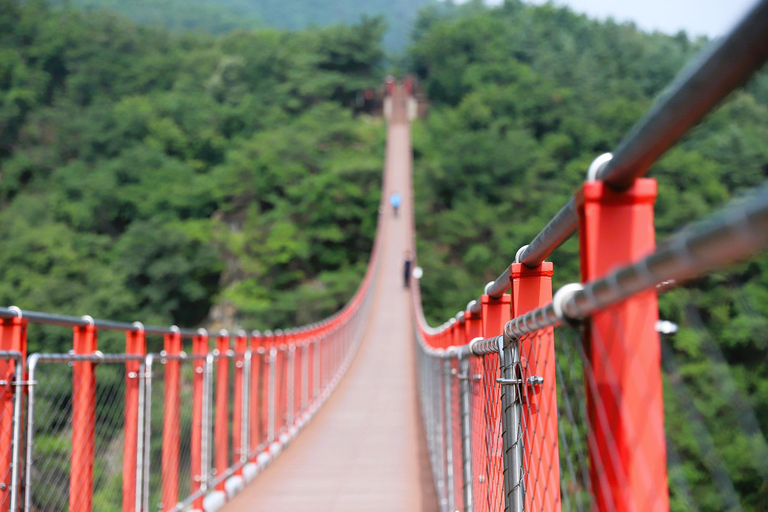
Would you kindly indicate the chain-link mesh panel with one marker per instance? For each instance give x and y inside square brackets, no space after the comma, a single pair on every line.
[169,435]
[535,404]
[493,470]
[51,416]
[713,357]
[572,421]
[456,432]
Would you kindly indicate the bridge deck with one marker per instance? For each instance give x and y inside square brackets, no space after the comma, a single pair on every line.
[364,451]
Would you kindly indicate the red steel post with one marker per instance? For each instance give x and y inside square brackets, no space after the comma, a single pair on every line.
[298,356]
[238,446]
[627,450]
[473,328]
[532,288]
[135,344]
[171,421]
[83,421]
[221,425]
[268,341]
[255,393]
[13,337]
[495,315]
[200,346]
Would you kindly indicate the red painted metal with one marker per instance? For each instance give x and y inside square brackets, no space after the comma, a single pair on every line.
[83,422]
[255,429]
[532,288]
[495,314]
[473,328]
[624,389]
[238,445]
[171,423]
[200,344]
[221,421]
[135,343]
[13,337]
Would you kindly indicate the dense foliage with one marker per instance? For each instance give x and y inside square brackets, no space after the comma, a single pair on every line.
[150,175]
[524,99]
[219,16]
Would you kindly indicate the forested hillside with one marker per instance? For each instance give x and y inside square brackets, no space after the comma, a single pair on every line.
[219,16]
[154,175]
[524,99]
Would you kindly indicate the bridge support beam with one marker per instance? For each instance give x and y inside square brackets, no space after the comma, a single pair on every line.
[625,405]
[532,288]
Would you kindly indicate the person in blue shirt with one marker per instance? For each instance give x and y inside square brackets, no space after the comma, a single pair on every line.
[395,201]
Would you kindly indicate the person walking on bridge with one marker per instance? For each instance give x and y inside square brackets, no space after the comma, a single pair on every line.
[407,265]
[395,201]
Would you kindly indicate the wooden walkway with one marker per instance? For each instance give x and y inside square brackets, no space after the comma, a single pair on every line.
[365,450]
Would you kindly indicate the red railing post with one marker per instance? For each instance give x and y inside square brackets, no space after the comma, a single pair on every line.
[268,342]
[13,338]
[298,354]
[200,347]
[458,474]
[221,426]
[532,288]
[135,344]
[171,421]
[495,315]
[83,421]
[255,393]
[238,446]
[625,406]
[473,328]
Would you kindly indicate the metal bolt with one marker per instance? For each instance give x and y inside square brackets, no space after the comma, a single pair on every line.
[477,377]
[535,380]
[481,478]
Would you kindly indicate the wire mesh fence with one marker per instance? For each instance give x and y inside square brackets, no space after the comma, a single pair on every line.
[568,444]
[11,400]
[76,413]
[168,424]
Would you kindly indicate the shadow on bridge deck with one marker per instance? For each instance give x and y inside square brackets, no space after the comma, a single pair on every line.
[364,451]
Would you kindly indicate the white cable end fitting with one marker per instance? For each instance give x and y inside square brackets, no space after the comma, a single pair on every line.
[563,294]
[519,254]
[596,165]
[473,343]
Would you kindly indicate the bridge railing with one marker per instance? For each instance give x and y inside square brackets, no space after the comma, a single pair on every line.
[180,429]
[506,406]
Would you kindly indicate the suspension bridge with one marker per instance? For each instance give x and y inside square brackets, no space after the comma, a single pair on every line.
[528,399]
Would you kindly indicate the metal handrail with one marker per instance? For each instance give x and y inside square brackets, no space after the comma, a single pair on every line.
[721,67]
[738,230]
